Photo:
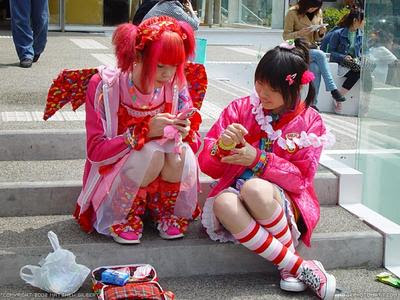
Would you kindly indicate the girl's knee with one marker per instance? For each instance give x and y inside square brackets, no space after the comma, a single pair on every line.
[157,160]
[256,190]
[318,54]
[153,171]
[256,187]
[224,204]
[172,161]
[173,167]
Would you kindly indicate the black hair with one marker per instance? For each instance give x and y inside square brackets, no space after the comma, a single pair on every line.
[347,20]
[278,63]
[305,5]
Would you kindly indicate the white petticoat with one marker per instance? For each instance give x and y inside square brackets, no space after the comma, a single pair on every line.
[217,232]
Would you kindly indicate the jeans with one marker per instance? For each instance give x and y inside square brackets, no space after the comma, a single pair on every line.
[351,79]
[29,23]
[319,66]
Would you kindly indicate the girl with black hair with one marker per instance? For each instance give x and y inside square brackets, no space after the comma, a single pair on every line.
[345,48]
[305,20]
[264,150]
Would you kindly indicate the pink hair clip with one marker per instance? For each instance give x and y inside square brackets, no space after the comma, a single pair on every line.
[289,44]
[290,78]
[307,77]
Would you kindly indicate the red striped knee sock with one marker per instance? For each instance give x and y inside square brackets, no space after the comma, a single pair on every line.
[260,241]
[278,226]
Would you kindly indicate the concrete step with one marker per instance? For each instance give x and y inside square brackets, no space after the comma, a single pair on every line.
[340,241]
[43,144]
[51,187]
[351,284]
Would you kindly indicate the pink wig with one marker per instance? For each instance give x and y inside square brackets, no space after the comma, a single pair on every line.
[174,46]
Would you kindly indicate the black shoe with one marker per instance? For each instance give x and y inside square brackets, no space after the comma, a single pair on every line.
[338,96]
[36,58]
[25,63]
[316,108]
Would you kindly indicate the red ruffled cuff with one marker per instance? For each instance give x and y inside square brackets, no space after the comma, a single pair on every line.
[195,122]
[136,136]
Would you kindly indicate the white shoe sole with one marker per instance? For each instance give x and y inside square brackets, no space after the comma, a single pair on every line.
[292,286]
[330,283]
[165,236]
[120,240]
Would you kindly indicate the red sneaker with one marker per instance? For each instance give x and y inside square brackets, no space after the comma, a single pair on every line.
[313,274]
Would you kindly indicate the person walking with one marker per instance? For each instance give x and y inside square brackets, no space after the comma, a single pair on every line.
[29,24]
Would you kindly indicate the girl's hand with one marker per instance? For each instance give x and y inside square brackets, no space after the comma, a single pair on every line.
[244,156]
[183,126]
[348,58]
[305,31]
[188,5]
[158,123]
[234,133]
[322,30]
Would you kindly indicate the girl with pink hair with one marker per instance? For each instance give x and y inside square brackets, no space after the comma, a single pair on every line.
[132,120]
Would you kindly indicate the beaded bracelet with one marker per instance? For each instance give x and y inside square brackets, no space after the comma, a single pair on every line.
[259,168]
[130,139]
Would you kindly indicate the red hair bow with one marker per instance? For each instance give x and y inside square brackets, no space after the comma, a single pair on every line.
[152,30]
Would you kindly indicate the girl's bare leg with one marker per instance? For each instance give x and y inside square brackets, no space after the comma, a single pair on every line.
[173,168]
[231,212]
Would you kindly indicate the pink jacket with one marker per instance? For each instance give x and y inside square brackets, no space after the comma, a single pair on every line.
[294,172]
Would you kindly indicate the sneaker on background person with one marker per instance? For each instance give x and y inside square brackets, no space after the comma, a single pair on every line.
[29,25]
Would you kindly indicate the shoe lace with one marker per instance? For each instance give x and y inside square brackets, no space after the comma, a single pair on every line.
[309,277]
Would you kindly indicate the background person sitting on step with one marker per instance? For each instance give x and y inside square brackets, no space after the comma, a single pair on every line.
[345,47]
[298,22]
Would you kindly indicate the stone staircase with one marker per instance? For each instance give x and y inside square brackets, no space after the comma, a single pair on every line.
[41,179]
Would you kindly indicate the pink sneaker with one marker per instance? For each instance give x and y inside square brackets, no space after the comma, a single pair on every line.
[313,274]
[171,233]
[172,227]
[290,283]
[338,107]
[127,237]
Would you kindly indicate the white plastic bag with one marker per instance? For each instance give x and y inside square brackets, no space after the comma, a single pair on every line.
[58,272]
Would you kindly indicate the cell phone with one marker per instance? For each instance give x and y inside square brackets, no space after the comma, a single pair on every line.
[316,27]
[186,114]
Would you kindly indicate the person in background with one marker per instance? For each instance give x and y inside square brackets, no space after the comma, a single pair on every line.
[298,23]
[381,50]
[345,48]
[181,10]
[142,10]
[29,24]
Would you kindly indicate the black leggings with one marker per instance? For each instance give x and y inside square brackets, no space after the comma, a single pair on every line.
[351,79]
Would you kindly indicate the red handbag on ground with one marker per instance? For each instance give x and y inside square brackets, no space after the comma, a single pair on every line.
[145,287]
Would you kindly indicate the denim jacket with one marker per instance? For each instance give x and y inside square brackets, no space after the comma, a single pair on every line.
[340,44]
